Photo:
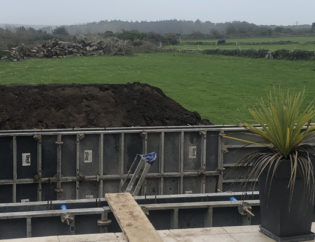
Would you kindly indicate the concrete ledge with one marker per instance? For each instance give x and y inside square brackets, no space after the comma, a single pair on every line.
[212,234]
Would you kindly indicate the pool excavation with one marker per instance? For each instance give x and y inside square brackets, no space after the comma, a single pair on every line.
[53,182]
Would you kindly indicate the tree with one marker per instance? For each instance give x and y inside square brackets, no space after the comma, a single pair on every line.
[60,31]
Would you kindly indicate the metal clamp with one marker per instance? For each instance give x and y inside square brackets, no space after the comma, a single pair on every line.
[37,137]
[81,136]
[59,190]
[203,132]
[202,172]
[145,210]
[37,178]
[104,222]
[59,142]
[80,177]
[221,170]
[245,209]
[67,219]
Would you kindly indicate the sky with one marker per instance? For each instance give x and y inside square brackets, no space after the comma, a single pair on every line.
[66,12]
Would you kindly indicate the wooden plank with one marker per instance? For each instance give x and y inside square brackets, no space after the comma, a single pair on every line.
[131,219]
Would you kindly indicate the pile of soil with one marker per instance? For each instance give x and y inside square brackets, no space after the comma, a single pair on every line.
[85,106]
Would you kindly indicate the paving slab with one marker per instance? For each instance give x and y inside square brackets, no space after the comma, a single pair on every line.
[250,237]
[197,234]
[34,239]
[241,229]
[213,234]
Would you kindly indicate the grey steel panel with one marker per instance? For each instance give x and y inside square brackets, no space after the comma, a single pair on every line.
[192,185]
[192,151]
[49,226]
[88,190]
[26,192]
[171,152]
[133,145]
[171,185]
[154,145]
[89,155]
[239,186]
[114,226]
[48,191]
[111,186]
[87,224]
[26,145]
[211,184]
[191,218]
[240,134]
[190,159]
[160,219]
[15,228]
[212,151]
[151,187]
[231,156]
[69,191]
[6,158]
[165,212]
[226,217]
[236,173]
[5,193]
[49,156]
[111,154]
[68,157]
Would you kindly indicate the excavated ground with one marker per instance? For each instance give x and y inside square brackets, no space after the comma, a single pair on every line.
[86,106]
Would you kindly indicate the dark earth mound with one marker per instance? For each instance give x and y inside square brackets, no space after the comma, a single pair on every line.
[84,106]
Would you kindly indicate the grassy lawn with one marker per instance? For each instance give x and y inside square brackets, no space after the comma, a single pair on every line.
[220,88]
[241,44]
[310,47]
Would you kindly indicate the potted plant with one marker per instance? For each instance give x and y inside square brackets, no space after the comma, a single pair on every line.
[285,166]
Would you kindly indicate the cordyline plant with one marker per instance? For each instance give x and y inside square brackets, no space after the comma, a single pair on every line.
[284,125]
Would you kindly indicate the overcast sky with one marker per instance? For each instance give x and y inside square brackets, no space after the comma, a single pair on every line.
[64,12]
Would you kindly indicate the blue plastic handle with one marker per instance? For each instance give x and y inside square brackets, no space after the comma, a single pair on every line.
[63,207]
[233,199]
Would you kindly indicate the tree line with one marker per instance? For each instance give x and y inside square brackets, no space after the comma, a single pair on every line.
[158,32]
[184,27]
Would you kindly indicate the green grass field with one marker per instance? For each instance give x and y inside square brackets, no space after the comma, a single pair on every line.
[220,88]
[303,44]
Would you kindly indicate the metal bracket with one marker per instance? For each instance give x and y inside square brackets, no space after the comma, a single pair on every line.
[143,133]
[59,142]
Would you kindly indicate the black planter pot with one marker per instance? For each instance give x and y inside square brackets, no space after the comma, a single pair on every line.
[280,220]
